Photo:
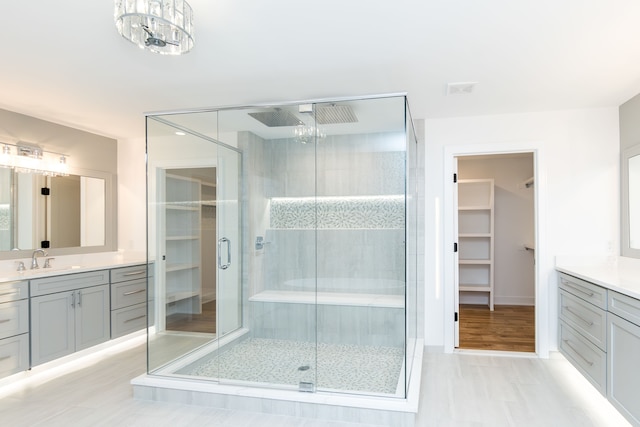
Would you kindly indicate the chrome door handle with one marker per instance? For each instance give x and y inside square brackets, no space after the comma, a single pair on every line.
[220,264]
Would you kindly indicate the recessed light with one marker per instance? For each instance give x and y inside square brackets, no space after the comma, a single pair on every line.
[180,133]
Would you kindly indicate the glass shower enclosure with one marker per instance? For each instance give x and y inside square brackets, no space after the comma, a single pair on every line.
[282,241]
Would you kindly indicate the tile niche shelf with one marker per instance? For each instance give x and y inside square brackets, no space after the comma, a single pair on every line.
[475,236]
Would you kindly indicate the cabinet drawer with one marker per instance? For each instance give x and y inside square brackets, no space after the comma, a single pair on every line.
[626,307]
[125,294]
[587,319]
[128,273]
[128,319]
[584,355]
[589,292]
[14,355]
[68,282]
[14,318]
[12,291]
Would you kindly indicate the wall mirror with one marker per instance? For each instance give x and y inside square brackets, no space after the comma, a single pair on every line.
[630,197]
[73,214]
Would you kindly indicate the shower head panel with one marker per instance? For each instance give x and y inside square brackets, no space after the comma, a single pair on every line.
[276,118]
[334,114]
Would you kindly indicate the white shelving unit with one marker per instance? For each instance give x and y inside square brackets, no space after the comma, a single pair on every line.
[183,245]
[476,236]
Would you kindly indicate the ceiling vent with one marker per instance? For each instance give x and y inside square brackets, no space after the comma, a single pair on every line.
[461,88]
[333,114]
[276,118]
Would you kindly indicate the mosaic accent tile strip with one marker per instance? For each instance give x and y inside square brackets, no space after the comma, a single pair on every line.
[372,369]
[338,212]
[4,217]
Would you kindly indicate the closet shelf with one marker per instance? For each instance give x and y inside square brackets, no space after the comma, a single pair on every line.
[182,207]
[180,267]
[476,237]
[176,238]
[179,296]
[474,288]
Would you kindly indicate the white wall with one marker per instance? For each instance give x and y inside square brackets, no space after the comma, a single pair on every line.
[578,156]
[132,195]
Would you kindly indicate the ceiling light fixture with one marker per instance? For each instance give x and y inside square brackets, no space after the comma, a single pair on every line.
[161,26]
[306,134]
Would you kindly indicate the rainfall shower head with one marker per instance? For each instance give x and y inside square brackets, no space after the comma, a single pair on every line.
[333,114]
[276,118]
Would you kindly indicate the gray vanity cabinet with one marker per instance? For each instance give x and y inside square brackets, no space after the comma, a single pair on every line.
[68,313]
[623,325]
[582,328]
[14,327]
[128,300]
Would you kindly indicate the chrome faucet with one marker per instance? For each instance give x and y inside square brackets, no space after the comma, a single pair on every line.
[34,258]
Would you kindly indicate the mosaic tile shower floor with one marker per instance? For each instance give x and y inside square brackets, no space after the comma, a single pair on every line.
[371,369]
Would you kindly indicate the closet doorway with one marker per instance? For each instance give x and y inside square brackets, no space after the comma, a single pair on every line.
[495,236]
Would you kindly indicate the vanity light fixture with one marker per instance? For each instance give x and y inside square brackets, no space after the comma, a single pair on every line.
[29,158]
[160,26]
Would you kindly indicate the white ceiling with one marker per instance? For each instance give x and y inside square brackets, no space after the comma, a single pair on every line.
[64,61]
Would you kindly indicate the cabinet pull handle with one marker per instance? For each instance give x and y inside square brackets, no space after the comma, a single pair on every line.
[133,292]
[4,358]
[73,299]
[10,293]
[5,320]
[79,298]
[568,343]
[588,323]
[135,273]
[135,318]
[576,288]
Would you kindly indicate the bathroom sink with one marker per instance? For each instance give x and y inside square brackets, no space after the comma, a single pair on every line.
[47,271]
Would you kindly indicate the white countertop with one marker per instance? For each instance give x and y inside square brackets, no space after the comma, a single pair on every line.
[68,264]
[620,274]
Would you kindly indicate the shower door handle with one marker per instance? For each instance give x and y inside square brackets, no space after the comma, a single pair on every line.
[220,264]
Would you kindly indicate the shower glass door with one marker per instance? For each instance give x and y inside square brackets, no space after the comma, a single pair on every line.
[276,346]
[361,200]
[228,243]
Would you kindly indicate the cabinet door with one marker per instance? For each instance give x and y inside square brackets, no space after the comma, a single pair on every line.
[623,373]
[52,326]
[92,324]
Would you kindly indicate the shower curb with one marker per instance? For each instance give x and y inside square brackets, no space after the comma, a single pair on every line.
[325,406]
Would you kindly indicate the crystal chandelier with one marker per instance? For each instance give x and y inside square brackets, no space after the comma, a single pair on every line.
[161,26]
[305,134]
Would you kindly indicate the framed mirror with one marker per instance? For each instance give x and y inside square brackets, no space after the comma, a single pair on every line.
[63,214]
[630,198]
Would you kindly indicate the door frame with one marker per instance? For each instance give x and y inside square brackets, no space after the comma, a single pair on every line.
[542,297]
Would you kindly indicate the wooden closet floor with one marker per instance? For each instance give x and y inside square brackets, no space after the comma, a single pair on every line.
[507,328]
[204,322]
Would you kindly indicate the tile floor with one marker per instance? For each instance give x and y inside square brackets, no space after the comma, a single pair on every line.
[457,390]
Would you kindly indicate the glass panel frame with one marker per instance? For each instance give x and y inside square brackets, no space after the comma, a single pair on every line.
[283,207]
